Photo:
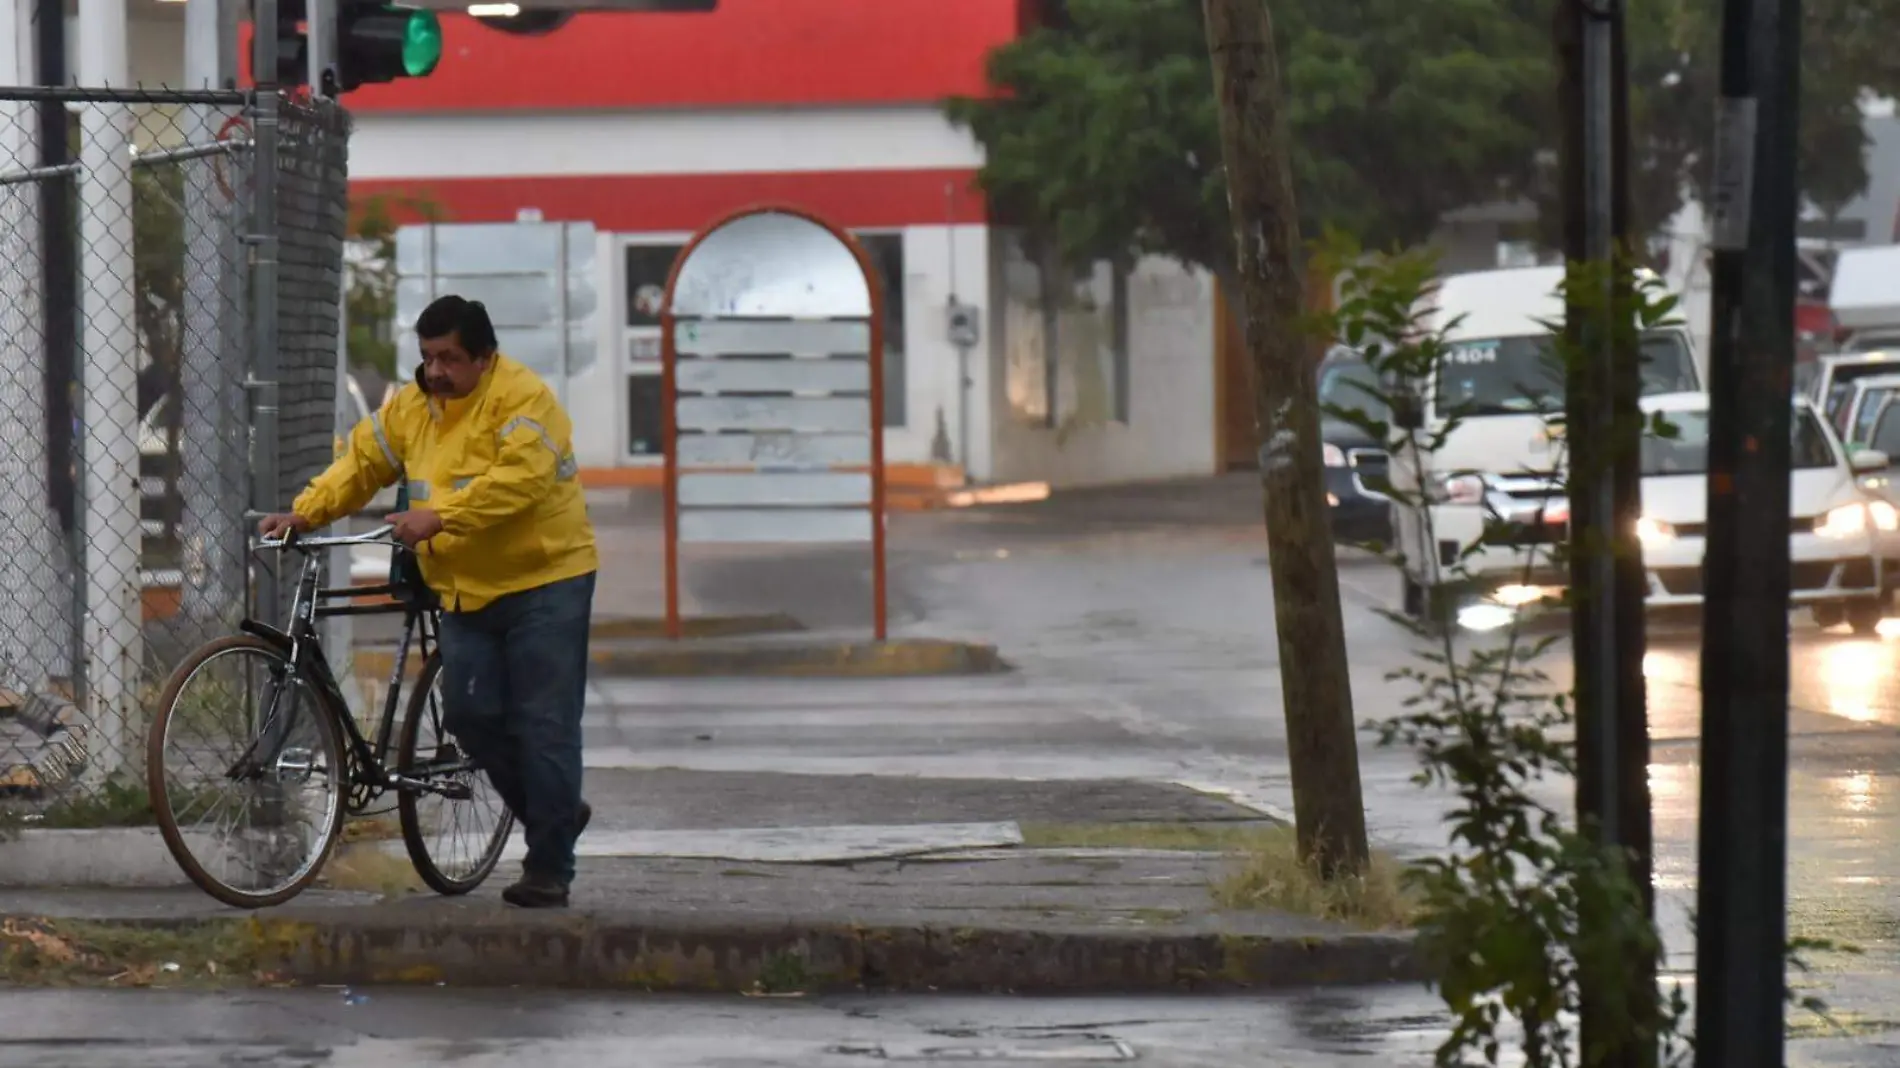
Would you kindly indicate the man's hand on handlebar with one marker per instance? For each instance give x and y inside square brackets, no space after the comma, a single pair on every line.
[278,526]
[415,526]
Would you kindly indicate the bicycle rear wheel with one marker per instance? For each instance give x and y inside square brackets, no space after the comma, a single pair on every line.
[455,842]
[233,740]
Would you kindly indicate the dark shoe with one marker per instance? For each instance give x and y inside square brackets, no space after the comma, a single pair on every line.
[536,892]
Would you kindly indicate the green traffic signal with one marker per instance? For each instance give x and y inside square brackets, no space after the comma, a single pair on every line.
[382,42]
[421,43]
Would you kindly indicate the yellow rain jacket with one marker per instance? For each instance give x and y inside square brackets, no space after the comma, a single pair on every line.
[498,467]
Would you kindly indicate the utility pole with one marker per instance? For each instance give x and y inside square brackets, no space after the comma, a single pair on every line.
[1604,435]
[1741,896]
[1329,810]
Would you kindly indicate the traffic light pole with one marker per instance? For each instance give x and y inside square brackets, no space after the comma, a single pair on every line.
[1741,891]
[265,365]
[320,37]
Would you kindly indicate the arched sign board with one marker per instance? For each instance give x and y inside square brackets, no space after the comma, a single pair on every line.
[772,391]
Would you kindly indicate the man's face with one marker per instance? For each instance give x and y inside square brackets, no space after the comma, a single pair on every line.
[448,370]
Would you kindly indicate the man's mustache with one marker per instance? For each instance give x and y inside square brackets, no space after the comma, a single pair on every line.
[431,385]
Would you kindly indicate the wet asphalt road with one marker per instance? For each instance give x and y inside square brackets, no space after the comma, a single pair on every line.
[382,1028]
[400,1029]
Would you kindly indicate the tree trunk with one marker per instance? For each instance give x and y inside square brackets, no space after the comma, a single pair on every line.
[1321,740]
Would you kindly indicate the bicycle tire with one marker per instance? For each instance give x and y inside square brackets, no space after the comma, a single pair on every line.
[157,782]
[412,832]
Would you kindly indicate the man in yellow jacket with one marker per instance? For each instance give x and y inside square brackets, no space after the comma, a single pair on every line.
[499,524]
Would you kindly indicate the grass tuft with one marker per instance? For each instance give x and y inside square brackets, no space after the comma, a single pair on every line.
[43,952]
[1271,875]
[1268,874]
[367,866]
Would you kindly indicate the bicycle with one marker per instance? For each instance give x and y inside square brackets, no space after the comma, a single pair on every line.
[299,731]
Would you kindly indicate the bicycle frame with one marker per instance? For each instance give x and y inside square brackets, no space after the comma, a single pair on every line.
[303,648]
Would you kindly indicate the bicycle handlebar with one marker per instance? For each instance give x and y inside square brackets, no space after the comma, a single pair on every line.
[380,536]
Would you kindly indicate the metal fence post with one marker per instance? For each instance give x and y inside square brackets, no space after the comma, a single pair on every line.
[109,418]
[265,367]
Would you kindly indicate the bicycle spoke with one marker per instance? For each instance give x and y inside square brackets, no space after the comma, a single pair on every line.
[251,807]
[460,833]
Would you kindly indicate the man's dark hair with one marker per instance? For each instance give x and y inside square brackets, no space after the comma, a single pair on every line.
[466,319]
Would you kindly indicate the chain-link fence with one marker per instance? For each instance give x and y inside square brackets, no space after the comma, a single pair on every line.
[129,376]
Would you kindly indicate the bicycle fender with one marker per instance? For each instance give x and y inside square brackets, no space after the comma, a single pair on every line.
[267,632]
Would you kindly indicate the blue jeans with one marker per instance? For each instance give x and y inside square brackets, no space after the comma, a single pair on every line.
[514,683]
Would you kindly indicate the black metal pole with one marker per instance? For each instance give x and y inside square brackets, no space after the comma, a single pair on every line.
[1605,436]
[59,263]
[1741,898]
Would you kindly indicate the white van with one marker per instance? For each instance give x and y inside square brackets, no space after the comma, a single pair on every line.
[1864,298]
[1499,465]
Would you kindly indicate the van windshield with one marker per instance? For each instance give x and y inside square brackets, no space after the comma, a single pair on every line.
[1518,375]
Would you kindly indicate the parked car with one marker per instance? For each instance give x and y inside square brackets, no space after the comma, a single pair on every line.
[1839,534]
[1832,382]
[1355,460]
[1867,397]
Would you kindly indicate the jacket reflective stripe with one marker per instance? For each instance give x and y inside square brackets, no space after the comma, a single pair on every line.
[462,483]
[382,442]
[565,465]
[418,490]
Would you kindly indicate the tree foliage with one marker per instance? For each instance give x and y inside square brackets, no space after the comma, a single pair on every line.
[1675,74]
[1103,140]
[1106,138]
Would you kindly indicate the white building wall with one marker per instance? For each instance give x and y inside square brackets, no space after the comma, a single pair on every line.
[737,141]
[1169,430]
[932,392]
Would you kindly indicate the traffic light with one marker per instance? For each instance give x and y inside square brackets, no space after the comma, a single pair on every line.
[375,42]
[380,42]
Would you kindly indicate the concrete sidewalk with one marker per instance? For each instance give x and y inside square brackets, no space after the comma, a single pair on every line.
[748,882]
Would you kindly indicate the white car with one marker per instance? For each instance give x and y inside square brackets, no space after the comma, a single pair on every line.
[1838,534]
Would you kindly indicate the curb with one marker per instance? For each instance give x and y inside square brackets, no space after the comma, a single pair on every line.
[613,627]
[382,656]
[897,658]
[126,858]
[329,946]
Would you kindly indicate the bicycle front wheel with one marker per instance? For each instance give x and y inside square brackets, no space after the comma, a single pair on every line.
[247,773]
[456,830]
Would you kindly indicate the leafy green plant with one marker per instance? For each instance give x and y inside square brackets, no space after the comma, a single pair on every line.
[1529,915]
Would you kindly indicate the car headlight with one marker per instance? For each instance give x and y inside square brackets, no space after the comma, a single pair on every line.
[1332,455]
[1843,522]
[1654,533]
[1463,489]
[1885,516]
